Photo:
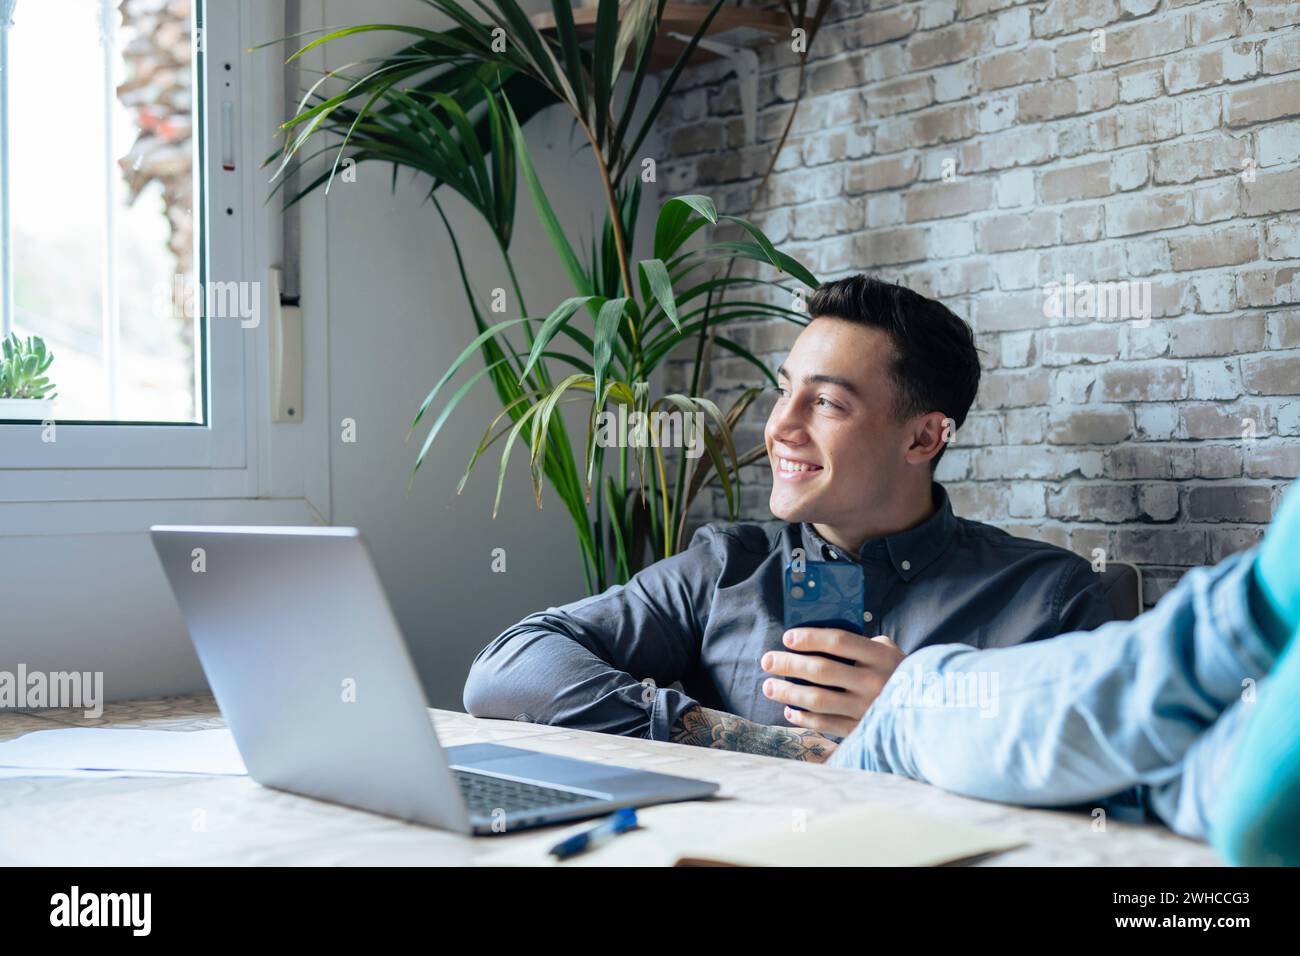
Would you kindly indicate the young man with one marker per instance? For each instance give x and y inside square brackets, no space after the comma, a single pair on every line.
[869,396]
[1193,703]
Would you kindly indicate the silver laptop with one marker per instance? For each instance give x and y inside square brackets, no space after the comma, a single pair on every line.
[308,666]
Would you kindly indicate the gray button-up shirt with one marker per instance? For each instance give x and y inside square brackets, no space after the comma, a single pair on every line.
[702,620]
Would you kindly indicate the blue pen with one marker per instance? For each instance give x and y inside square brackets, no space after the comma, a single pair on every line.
[620,821]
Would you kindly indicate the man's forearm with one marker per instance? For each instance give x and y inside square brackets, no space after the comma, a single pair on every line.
[701,727]
[538,673]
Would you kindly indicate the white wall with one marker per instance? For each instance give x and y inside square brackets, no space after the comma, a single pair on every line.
[93,603]
[396,317]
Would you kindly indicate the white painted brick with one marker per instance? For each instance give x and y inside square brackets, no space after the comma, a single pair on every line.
[1279,144]
[1076,140]
[1087,264]
[1130,170]
[935,13]
[886,62]
[1089,464]
[1284,329]
[1081,224]
[1138,8]
[1282,239]
[1018,349]
[1074,385]
[1017,270]
[1240,61]
[1024,426]
[1011,27]
[951,239]
[979,429]
[1216,202]
[885,210]
[1015,187]
[1215,293]
[1138,85]
[1146,257]
[858,142]
[996,113]
[1281,53]
[1214,379]
[954,82]
[1144,342]
[1156,422]
[1090,345]
[1196,114]
[1159,502]
[1028,499]
[1288,418]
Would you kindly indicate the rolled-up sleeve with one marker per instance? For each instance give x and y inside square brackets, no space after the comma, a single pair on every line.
[604,663]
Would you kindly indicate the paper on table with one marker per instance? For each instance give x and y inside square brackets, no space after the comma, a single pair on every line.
[122,752]
[864,836]
[25,773]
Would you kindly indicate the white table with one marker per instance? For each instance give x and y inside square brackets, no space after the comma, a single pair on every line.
[229,820]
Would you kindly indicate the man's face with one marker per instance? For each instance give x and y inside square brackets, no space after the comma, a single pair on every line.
[834,445]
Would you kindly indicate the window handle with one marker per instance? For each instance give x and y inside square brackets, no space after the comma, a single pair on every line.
[285,336]
[228,136]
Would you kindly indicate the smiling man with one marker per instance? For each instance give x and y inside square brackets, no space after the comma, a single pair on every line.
[693,649]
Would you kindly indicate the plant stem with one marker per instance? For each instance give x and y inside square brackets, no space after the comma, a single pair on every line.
[616,218]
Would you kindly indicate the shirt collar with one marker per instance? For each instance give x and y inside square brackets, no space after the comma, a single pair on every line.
[910,551]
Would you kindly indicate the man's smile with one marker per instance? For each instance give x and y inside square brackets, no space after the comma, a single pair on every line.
[794,469]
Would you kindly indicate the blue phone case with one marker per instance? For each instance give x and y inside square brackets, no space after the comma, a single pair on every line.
[824,594]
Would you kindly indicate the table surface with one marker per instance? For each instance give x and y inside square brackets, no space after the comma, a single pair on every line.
[232,820]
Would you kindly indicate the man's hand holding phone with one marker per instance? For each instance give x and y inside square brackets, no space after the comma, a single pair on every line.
[847,689]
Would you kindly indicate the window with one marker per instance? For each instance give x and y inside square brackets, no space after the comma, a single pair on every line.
[101,261]
[160,337]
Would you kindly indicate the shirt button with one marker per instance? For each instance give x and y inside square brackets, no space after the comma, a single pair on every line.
[866,616]
[833,555]
[907,565]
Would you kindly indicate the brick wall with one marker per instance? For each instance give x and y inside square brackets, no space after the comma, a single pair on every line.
[979,151]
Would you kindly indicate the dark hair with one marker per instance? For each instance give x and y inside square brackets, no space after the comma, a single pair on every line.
[936,367]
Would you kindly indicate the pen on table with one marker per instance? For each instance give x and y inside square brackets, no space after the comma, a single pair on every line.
[620,821]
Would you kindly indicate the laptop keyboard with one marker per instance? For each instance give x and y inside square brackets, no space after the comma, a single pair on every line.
[484,794]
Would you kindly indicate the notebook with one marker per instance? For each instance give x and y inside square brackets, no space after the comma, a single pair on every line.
[867,835]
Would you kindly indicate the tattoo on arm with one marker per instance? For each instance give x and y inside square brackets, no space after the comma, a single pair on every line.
[701,727]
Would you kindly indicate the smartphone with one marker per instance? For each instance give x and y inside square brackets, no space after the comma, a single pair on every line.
[824,594]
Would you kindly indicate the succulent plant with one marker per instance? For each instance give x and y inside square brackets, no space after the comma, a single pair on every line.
[22,368]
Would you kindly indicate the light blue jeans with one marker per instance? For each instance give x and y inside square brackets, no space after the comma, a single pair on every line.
[1156,703]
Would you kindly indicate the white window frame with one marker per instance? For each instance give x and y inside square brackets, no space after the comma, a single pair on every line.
[238,466]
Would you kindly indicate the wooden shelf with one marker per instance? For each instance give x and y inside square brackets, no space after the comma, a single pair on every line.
[685,18]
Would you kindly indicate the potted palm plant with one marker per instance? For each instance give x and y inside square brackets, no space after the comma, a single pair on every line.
[26,393]
[451,104]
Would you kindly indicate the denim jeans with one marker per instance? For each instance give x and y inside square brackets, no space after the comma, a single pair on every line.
[1156,703]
